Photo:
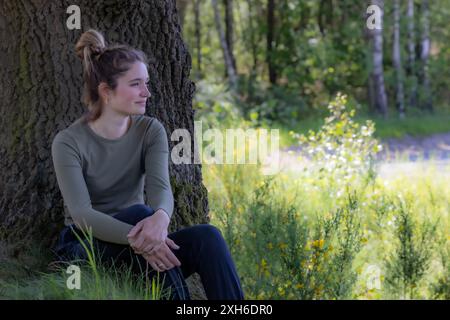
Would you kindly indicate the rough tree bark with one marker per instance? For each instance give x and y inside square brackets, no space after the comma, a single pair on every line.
[41,80]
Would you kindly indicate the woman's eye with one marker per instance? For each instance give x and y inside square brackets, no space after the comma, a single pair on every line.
[135,84]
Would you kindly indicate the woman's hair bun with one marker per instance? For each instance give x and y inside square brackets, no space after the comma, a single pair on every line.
[90,43]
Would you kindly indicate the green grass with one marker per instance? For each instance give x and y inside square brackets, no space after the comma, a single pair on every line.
[107,284]
[416,126]
[34,280]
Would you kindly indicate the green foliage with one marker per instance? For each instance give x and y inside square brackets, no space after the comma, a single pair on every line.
[441,289]
[319,48]
[341,149]
[215,106]
[293,237]
[410,261]
[306,260]
[321,266]
[315,233]
[274,104]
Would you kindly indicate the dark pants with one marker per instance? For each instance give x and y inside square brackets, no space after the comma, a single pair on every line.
[202,250]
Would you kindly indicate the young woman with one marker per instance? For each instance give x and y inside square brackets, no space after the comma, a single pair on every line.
[102,162]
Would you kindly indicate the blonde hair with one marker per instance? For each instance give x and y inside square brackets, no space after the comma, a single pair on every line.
[102,63]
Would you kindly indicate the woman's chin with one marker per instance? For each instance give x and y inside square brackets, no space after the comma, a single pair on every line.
[140,110]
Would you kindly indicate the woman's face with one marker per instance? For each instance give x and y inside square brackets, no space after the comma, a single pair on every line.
[131,93]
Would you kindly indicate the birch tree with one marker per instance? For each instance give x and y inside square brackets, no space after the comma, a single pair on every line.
[396,58]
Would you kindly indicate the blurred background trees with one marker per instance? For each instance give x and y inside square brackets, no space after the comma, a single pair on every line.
[291,57]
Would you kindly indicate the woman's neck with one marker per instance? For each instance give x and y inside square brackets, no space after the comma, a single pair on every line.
[111,127]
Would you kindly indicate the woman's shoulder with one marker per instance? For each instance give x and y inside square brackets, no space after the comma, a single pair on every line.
[71,134]
[149,125]
[152,131]
[146,120]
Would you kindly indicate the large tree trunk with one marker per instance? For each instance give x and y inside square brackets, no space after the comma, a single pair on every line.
[377,74]
[412,56]
[427,103]
[396,58]
[41,80]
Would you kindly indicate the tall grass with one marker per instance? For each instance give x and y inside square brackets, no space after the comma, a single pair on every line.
[97,280]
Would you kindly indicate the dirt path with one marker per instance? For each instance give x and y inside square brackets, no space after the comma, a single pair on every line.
[413,156]
[436,146]
[409,155]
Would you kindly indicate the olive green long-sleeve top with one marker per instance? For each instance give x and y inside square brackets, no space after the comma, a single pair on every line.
[98,177]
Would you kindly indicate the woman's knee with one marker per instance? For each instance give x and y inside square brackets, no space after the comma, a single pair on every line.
[209,233]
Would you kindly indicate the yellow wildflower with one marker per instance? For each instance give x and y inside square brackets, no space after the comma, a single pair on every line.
[263,263]
[318,243]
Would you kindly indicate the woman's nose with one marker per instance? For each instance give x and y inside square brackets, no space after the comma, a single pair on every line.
[146,92]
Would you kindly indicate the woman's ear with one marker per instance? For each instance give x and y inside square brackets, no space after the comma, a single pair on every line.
[104,92]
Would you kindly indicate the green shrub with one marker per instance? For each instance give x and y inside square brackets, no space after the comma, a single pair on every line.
[341,150]
[410,260]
